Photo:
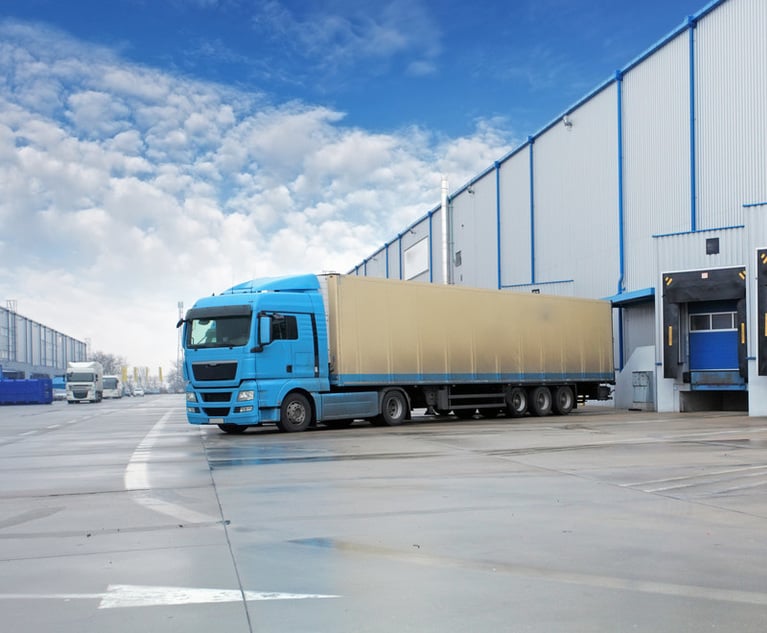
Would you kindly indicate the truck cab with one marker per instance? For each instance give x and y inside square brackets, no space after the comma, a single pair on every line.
[248,347]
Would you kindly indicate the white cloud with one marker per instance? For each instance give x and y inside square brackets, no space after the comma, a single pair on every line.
[337,35]
[124,190]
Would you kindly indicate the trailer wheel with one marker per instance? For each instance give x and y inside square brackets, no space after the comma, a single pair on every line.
[235,429]
[295,413]
[564,400]
[516,402]
[393,408]
[540,401]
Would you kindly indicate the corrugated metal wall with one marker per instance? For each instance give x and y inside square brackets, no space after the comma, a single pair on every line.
[731,85]
[656,156]
[31,347]
[576,198]
[474,234]
[514,181]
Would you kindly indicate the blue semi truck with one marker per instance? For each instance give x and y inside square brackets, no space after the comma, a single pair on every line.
[329,349]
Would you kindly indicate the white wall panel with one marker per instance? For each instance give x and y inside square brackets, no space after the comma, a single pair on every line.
[515,219]
[731,82]
[474,230]
[576,198]
[656,156]
[559,289]
[376,265]
[687,251]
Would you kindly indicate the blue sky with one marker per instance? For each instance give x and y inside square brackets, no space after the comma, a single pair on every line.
[155,151]
[442,65]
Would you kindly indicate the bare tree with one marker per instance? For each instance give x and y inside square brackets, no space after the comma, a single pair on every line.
[176,382]
[112,364]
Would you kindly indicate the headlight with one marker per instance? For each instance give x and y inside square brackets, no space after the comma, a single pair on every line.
[245,395]
[191,396]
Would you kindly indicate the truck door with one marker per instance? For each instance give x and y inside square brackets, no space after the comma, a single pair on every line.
[292,351]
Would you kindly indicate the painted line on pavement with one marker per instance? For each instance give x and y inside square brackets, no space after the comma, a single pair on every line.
[137,478]
[123,596]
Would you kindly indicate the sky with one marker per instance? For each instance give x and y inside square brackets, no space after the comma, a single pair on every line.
[156,151]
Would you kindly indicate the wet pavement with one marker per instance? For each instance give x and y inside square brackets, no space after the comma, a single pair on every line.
[119,516]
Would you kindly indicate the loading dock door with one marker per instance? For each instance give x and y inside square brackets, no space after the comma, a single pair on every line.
[715,331]
[713,346]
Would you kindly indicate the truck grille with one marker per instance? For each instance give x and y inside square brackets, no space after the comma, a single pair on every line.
[216,396]
[80,393]
[216,412]
[214,371]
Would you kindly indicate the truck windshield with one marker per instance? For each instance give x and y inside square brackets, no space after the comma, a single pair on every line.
[227,331]
[79,377]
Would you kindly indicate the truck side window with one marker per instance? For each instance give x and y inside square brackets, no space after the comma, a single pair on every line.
[284,328]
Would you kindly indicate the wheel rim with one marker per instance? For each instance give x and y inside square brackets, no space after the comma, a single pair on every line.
[295,414]
[394,407]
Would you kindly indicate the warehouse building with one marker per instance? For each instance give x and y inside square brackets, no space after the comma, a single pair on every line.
[651,191]
[31,350]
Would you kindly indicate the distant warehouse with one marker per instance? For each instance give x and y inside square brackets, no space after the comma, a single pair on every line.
[31,350]
[651,192]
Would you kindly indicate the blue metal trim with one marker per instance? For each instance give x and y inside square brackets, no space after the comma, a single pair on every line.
[691,24]
[721,228]
[755,204]
[540,283]
[400,256]
[387,260]
[634,296]
[621,228]
[498,217]
[531,141]
[485,378]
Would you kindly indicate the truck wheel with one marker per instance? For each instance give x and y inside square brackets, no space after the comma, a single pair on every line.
[540,401]
[235,429]
[564,400]
[295,413]
[393,408]
[516,402]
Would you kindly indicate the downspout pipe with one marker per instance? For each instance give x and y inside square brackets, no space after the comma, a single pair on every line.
[691,24]
[621,215]
[621,210]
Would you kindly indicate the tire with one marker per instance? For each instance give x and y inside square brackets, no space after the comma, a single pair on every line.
[394,408]
[295,413]
[540,401]
[234,429]
[516,402]
[563,400]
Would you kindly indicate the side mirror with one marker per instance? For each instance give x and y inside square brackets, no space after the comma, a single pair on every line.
[264,333]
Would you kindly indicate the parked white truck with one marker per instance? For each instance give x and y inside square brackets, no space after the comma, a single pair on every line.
[85,381]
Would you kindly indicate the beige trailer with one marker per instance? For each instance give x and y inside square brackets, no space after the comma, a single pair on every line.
[463,349]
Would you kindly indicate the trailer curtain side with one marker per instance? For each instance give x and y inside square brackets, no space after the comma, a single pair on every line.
[384,331]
